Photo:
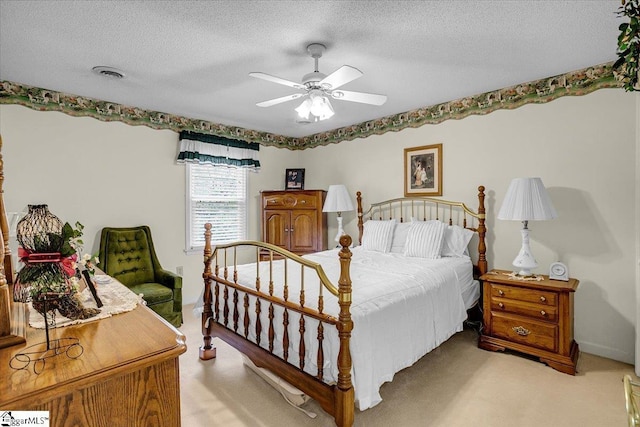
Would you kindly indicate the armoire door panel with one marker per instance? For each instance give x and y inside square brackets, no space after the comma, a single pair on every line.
[303,231]
[276,228]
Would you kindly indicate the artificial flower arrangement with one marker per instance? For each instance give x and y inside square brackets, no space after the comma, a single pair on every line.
[89,262]
[628,52]
[49,252]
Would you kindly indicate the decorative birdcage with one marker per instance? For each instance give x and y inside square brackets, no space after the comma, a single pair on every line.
[49,263]
[40,231]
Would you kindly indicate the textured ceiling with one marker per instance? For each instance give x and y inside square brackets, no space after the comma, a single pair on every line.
[192,58]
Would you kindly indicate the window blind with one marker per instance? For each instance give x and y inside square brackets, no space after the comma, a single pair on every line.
[217,195]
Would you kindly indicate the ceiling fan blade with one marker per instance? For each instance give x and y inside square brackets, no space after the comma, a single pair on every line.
[341,76]
[365,98]
[275,101]
[278,80]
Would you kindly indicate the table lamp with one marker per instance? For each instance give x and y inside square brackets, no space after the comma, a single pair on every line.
[338,200]
[526,200]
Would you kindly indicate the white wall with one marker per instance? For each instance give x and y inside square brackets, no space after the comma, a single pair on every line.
[637,196]
[584,148]
[112,174]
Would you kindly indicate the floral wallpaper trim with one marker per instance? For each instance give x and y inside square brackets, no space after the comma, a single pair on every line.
[580,82]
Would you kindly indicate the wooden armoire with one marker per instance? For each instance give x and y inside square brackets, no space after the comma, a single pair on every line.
[293,220]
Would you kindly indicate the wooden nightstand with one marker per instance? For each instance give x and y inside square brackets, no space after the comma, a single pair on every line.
[529,316]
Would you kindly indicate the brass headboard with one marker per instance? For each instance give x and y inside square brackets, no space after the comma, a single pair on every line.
[428,208]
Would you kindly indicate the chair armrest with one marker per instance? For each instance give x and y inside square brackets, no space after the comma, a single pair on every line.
[168,279]
[173,281]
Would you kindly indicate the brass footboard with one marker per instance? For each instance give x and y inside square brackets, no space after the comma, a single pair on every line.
[282,307]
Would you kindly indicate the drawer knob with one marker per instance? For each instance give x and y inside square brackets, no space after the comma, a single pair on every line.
[303,201]
[542,299]
[500,292]
[544,313]
[501,305]
[521,331]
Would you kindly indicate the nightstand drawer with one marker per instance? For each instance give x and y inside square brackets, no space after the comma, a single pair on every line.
[520,294]
[530,333]
[536,311]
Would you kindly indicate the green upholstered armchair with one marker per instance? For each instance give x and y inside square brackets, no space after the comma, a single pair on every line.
[128,255]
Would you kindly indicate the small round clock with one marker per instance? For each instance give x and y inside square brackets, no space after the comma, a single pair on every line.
[558,271]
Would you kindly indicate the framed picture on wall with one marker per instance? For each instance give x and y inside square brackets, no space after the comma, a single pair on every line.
[294,179]
[423,171]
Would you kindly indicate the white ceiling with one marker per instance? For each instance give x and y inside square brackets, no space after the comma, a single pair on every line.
[192,58]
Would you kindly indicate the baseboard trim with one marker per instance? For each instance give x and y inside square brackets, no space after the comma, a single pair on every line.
[608,352]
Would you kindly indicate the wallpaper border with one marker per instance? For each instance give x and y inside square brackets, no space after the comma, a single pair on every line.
[580,82]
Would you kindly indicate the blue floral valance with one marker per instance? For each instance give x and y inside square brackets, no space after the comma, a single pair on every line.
[217,150]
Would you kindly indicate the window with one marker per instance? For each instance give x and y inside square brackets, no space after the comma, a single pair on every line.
[215,194]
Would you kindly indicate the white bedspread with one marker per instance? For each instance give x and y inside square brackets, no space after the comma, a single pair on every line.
[402,308]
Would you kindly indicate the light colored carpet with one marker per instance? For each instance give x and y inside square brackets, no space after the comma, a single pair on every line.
[457,384]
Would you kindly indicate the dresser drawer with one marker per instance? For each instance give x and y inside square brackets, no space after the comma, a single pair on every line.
[298,201]
[521,294]
[519,330]
[536,311]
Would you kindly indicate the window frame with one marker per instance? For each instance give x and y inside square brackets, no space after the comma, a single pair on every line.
[189,249]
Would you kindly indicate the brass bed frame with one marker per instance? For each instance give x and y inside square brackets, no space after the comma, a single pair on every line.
[221,298]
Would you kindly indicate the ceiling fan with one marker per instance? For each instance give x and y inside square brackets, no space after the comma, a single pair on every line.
[319,88]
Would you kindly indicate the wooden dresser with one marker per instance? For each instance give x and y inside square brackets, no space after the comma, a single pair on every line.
[127,376]
[529,316]
[294,220]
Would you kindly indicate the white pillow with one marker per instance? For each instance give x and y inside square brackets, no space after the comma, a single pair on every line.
[400,235]
[425,239]
[456,240]
[377,235]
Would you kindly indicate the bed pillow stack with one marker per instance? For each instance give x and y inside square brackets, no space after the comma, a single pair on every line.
[425,239]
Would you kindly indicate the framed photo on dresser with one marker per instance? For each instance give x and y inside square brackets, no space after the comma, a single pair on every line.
[294,179]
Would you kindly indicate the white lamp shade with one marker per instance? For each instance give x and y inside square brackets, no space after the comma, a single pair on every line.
[337,200]
[527,200]
[321,108]
[304,109]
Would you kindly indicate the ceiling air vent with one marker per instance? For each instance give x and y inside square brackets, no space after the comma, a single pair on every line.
[112,73]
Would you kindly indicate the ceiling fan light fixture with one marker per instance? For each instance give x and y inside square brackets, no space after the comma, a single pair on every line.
[315,108]
[319,88]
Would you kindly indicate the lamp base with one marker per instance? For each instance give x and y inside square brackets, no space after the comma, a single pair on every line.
[525,261]
[340,229]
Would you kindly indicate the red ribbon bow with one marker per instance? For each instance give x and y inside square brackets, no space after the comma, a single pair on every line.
[68,264]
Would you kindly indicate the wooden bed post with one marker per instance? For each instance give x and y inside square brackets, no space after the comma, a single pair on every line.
[482,231]
[344,410]
[9,334]
[207,351]
[360,223]
[4,226]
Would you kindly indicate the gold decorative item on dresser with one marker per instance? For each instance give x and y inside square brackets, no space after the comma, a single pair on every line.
[294,220]
[532,315]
